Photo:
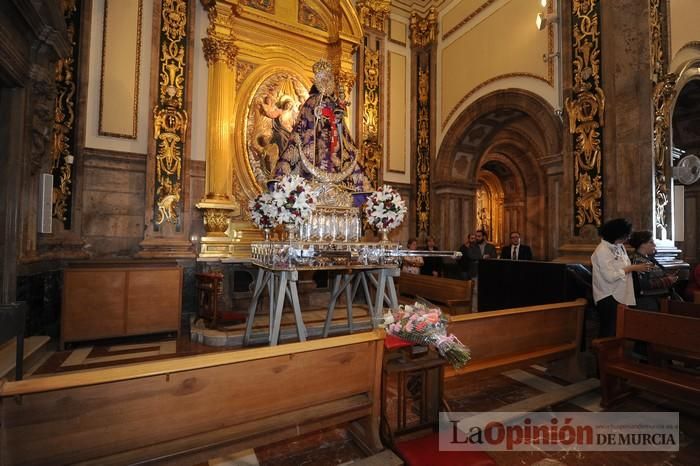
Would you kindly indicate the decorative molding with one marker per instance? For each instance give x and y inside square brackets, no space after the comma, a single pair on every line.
[243,70]
[469,17]
[423,30]
[268,6]
[371,148]
[663,93]
[693,44]
[586,112]
[219,49]
[373,13]
[480,86]
[308,16]
[135,108]
[63,130]
[170,117]
[43,105]
[423,150]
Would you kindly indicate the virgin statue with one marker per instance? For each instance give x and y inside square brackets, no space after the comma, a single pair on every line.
[320,146]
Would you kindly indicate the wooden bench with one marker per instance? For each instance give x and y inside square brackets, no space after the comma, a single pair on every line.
[617,367]
[510,338]
[454,296]
[680,308]
[191,408]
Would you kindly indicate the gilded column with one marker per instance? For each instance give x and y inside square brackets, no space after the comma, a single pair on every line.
[167,232]
[219,203]
[373,15]
[586,110]
[423,40]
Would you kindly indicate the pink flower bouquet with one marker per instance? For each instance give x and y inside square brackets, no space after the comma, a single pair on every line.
[426,326]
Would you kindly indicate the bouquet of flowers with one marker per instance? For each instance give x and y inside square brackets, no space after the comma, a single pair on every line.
[263,212]
[293,200]
[426,326]
[385,209]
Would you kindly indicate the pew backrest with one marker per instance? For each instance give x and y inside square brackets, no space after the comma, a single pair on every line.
[658,328]
[680,308]
[520,336]
[454,295]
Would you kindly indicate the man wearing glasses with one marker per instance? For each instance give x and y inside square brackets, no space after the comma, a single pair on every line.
[516,251]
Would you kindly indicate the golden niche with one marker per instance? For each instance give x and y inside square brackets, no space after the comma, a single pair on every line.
[272,114]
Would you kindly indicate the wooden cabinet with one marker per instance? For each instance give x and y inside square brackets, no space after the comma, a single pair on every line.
[119,299]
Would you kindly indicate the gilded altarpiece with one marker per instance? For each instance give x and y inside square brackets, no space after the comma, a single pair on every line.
[586,110]
[273,46]
[64,131]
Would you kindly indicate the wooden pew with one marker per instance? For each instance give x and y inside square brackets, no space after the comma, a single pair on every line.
[173,409]
[680,308]
[518,337]
[453,296]
[617,367]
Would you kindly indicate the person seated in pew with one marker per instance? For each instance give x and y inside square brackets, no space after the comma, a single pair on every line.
[412,264]
[654,284]
[431,265]
[516,250]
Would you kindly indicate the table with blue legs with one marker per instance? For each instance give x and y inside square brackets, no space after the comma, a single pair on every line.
[280,285]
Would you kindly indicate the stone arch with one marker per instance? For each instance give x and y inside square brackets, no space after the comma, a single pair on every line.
[516,136]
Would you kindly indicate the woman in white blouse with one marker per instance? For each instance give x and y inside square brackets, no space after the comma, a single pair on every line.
[612,274]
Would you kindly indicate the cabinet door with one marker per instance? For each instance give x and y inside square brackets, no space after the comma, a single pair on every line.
[93,304]
[154,300]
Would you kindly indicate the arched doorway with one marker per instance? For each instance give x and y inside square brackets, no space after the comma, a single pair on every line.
[497,167]
[685,143]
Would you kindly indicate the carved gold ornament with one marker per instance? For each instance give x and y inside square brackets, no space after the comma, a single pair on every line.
[423,153]
[586,111]
[663,93]
[267,6]
[219,49]
[64,119]
[169,116]
[216,221]
[371,154]
[423,30]
[373,13]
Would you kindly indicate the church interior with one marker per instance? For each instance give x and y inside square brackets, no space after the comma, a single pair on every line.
[220,218]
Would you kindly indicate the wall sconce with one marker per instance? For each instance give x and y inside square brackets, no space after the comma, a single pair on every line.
[543,20]
[544,3]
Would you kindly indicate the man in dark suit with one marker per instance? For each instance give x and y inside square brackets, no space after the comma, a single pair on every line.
[516,251]
[481,250]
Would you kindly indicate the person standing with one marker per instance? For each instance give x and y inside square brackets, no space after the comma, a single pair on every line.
[516,251]
[612,273]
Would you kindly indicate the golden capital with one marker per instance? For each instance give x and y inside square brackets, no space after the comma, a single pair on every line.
[373,13]
[423,30]
[217,49]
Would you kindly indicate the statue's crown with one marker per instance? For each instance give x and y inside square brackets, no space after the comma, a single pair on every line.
[322,66]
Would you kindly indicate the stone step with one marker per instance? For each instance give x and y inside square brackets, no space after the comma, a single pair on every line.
[34,349]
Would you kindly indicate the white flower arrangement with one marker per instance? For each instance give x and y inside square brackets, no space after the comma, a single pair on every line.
[293,200]
[385,209]
[263,212]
